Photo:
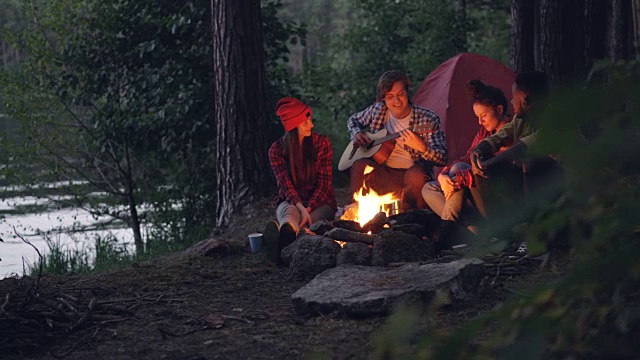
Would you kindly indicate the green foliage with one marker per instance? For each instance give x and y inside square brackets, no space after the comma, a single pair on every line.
[119,94]
[61,260]
[490,28]
[383,35]
[354,42]
[592,311]
[108,254]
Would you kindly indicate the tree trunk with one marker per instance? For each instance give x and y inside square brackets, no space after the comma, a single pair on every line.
[461,14]
[130,185]
[616,40]
[551,39]
[574,58]
[522,35]
[635,27]
[134,223]
[598,34]
[240,112]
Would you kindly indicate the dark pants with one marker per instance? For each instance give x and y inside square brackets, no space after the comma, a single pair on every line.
[510,193]
[405,184]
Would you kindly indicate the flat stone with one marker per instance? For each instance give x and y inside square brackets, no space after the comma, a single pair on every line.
[357,290]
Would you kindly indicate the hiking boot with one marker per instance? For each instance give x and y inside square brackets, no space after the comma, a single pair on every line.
[287,236]
[271,239]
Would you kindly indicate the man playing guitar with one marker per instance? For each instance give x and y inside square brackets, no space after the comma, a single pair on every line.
[410,163]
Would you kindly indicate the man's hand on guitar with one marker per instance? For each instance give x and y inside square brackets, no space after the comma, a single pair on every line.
[408,137]
[360,139]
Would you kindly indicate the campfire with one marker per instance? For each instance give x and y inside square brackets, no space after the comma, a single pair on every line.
[369,204]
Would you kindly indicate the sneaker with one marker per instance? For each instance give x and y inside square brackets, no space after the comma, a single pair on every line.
[271,239]
[523,249]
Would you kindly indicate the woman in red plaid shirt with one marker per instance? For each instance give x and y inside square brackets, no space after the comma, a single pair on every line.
[301,163]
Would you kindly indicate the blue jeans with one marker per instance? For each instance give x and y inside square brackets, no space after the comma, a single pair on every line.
[447,209]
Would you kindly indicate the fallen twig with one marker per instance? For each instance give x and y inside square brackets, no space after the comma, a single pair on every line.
[166,333]
[86,315]
[497,273]
[230,317]
[6,301]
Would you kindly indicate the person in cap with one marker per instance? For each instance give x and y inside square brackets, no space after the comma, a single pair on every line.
[420,145]
[301,163]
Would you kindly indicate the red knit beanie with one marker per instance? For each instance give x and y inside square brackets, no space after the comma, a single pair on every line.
[292,112]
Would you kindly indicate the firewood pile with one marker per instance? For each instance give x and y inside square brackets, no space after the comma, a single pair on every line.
[410,236]
[499,266]
[33,316]
[404,237]
[423,223]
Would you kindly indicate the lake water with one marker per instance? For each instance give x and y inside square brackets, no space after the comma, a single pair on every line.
[56,223]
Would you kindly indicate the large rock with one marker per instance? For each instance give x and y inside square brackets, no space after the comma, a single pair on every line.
[355,254]
[418,230]
[367,290]
[397,246]
[430,220]
[310,255]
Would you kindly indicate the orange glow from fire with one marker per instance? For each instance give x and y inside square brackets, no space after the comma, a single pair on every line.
[369,203]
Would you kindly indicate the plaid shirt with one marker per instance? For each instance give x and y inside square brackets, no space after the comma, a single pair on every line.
[312,195]
[375,117]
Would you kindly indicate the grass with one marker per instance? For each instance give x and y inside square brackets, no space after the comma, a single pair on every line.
[107,254]
[99,253]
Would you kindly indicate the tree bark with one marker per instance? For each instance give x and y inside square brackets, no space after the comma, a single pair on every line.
[551,39]
[239,104]
[616,40]
[461,14]
[574,58]
[635,27]
[522,35]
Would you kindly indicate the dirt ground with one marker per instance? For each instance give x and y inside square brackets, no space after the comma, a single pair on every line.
[233,307]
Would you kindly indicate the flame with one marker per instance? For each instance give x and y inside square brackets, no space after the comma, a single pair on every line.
[368,169]
[369,203]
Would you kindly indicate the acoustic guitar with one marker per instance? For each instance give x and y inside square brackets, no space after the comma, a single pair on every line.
[379,149]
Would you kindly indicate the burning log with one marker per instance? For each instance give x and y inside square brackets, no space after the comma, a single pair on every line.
[375,225]
[349,236]
[348,225]
[321,227]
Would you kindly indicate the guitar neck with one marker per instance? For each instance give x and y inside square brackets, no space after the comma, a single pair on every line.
[384,139]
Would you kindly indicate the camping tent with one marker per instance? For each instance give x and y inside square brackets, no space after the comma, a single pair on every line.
[444,92]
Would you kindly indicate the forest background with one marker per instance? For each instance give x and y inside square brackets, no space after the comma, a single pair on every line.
[119,95]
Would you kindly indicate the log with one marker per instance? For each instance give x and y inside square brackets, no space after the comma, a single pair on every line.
[210,247]
[374,225]
[349,236]
[348,224]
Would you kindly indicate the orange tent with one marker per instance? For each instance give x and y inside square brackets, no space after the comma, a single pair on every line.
[444,92]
